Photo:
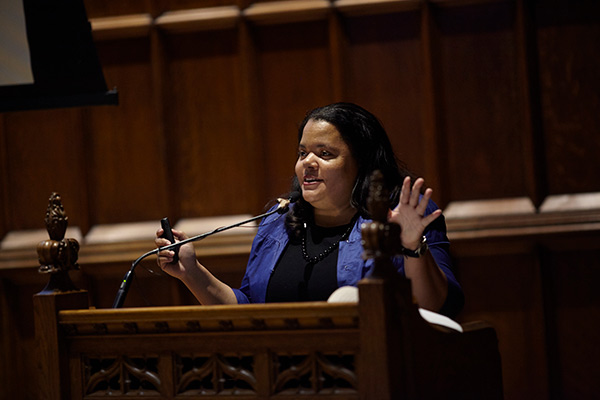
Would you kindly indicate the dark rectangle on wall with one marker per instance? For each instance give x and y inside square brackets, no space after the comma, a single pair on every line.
[482,105]
[567,39]
[511,300]
[294,71]
[574,322]
[47,155]
[384,74]
[126,160]
[215,160]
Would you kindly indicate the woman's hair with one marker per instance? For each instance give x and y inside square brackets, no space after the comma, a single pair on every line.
[370,147]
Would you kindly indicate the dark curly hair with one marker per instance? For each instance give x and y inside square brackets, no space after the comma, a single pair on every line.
[370,147]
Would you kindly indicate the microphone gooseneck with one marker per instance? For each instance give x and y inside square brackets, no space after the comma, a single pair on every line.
[126,283]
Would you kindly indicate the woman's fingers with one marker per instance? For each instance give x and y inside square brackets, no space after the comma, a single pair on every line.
[422,204]
[412,196]
[416,192]
[165,256]
[431,217]
[405,192]
[179,235]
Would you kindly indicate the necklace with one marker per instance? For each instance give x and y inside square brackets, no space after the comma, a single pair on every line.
[327,251]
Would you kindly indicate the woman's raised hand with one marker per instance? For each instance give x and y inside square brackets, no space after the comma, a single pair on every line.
[410,211]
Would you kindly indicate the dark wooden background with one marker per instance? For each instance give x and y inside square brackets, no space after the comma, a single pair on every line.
[487,100]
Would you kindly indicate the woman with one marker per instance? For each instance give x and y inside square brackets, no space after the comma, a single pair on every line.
[317,248]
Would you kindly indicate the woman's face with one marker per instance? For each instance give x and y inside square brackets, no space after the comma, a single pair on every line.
[325,168]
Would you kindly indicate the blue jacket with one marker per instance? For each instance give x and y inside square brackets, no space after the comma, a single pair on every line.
[272,238]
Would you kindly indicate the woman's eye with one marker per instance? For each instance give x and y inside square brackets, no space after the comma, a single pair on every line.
[325,154]
[301,154]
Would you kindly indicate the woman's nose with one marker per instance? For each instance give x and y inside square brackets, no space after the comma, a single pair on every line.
[310,160]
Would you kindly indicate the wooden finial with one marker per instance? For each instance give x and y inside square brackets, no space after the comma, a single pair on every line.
[380,239]
[56,219]
[57,256]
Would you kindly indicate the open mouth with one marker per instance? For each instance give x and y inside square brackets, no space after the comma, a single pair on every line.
[309,180]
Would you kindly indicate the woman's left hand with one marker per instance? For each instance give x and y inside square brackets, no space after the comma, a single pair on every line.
[410,211]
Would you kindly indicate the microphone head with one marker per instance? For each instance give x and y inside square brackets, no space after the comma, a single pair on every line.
[294,196]
[284,203]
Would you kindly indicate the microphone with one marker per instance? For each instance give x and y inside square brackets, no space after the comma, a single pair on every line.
[285,203]
[282,208]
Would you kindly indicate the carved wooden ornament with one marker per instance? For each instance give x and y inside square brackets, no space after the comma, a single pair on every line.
[57,256]
[380,239]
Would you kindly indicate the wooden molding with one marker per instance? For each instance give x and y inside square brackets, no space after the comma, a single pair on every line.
[371,7]
[199,19]
[123,243]
[121,27]
[463,3]
[279,12]
[517,217]
[306,315]
[466,220]
[470,209]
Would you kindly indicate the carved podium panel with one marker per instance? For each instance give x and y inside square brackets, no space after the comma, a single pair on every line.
[261,351]
[295,350]
[253,351]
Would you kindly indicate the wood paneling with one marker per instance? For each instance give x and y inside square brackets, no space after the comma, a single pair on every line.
[213,151]
[569,85]
[481,106]
[11,360]
[488,99]
[126,146]
[446,79]
[294,73]
[573,322]
[44,153]
[506,292]
[384,73]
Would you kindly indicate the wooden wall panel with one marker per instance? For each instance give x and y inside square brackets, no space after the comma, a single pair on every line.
[384,75]
[575,323]
[506,291]
[45,153]
[19,346]
[568,57]
[294,74]
[108,8]
[127,154]
[216,159]
[10,347]
[164,5]
[150,285]
[481,104]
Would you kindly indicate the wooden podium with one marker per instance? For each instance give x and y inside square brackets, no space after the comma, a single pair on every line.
[379,348]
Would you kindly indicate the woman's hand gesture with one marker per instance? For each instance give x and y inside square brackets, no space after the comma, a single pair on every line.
[410,211]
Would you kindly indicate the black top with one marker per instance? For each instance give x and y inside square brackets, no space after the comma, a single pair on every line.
[295,279]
